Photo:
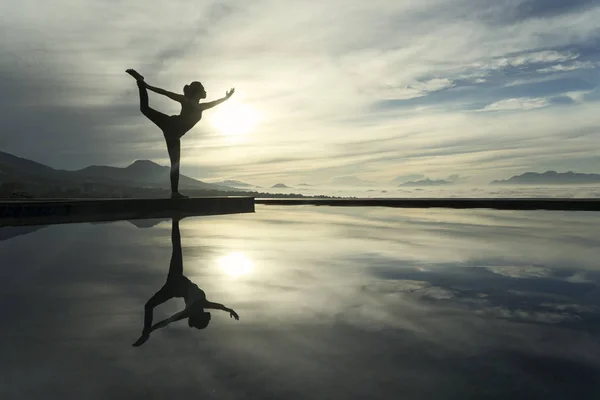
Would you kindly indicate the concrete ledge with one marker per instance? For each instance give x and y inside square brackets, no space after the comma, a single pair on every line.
[42,212]
[498,204]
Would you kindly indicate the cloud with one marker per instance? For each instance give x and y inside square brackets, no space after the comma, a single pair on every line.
[520,104]
[419,89]
[350,180]
[519,11]
[407,178]
[546,79]
[521,60]
[568,67]
[455,178]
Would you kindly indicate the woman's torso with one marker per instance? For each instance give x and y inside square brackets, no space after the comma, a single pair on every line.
[189,291]
[188,117]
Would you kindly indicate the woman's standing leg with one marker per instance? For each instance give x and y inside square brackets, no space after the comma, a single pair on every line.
[174,148]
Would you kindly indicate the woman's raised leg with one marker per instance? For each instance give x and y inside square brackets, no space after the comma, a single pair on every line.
[160,119]
[157,117]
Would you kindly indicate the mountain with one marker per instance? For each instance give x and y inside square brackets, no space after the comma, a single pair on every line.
[427,182]
[12,162]
[17,173]
[17,168]
[304,184]
[142,179]
[142,173]
[280,186]
[550,178]
[235,184]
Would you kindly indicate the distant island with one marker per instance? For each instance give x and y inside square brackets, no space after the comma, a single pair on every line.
[280,186]
[235,184]
[550,178]
[426,182]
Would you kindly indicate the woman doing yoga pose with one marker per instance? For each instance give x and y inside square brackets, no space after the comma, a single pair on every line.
[175,126]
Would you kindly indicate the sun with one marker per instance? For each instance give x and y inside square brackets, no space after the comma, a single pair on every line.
[234,118]
[236,264]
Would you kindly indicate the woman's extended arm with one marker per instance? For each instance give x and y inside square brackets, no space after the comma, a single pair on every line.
[211,104]
[218,306]
[173,96]
[140,79]
[147,331]
[175,317]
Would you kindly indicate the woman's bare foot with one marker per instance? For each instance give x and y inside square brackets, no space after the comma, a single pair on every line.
[177,195]
[135,74]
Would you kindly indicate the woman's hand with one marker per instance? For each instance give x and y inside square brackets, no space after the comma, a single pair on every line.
[230,92]
[143,339]
[233,314]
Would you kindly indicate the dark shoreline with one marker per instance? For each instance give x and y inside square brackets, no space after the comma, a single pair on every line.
[55,211]
[60,211]
[554,204]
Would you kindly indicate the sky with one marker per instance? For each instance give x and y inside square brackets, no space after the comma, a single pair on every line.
[326,92]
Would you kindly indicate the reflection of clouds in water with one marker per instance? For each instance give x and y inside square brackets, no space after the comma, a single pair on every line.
[521,266]
[534,294]
[525,271]
[353,303]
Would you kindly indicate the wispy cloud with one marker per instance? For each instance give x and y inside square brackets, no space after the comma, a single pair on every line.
[568,67]
[517,104]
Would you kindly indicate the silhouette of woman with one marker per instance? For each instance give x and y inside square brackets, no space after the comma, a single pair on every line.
[178,285]
[175,126]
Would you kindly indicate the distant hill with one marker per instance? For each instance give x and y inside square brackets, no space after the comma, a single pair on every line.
[280,186]
[9,162]
[16,168]
[142,179]
[142,173]
[427,182]
[235,184]
[17,173]
[550,178]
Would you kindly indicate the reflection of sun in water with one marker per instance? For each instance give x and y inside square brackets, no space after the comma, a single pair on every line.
[235,118]
[236,264]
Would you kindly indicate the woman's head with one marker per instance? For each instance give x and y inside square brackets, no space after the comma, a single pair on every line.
[199,320]
[194,91]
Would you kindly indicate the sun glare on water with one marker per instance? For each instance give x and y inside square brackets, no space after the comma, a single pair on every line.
[235,118]
[236,264]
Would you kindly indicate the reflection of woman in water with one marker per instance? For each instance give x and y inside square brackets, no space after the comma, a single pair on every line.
[178,285]
[175,126]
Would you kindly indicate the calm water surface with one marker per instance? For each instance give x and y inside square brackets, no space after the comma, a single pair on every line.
[348,303]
